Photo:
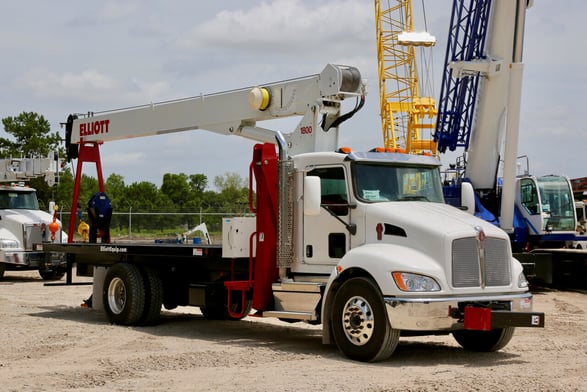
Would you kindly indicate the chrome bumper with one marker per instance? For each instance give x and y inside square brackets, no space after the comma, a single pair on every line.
[443,313]
[32,259]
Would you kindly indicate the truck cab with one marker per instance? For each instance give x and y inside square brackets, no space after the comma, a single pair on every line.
[23,224]
[376,223]
[546,204]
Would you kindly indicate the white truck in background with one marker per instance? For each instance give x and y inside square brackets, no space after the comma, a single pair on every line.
[360,242]
[22,223]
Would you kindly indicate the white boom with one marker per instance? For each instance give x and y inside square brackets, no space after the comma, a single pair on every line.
[499,105]
[24,169]
[317,98]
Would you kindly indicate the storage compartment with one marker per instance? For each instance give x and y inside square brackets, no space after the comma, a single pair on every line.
[236,233]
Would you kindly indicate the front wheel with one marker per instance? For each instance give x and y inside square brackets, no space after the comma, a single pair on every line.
[484,341]
[123,294]
[51,274]
[359,322]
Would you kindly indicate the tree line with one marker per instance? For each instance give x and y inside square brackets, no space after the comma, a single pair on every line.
[178,193]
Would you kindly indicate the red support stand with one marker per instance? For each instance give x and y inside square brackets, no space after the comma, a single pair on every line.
[264,168]
[88,152]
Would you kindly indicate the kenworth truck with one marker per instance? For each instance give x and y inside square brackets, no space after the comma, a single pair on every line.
[360,242]
[23,223]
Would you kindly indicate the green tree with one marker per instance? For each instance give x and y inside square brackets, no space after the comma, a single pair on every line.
[145,197]
[234,192]
[198,183]
[32,137]
[230,181]
[176,188]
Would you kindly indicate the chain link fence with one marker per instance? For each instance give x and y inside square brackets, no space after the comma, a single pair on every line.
[140,225]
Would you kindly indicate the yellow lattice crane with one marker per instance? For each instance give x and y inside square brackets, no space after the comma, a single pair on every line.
[404,113]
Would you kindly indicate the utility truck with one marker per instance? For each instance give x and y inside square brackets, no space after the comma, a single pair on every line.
[360,242]
[23,223]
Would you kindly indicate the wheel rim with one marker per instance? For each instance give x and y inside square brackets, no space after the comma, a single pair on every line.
[358,320]
[116,296]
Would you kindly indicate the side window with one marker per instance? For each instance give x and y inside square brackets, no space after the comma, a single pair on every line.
[333,189]
[529,196]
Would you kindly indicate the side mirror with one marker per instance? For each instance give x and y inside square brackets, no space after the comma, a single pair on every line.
[468,197]
[312,195]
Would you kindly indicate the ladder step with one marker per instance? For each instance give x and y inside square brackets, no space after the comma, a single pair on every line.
[306,316]
[306,287]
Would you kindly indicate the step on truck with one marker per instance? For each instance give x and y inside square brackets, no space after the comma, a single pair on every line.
[359,242]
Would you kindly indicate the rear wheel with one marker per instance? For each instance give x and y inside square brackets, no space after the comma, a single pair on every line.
[123,294]
[51,274]
[484,341]
[153,296]
[359,322]
[2,269]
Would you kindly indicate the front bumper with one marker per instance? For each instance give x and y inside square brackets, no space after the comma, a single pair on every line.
[463,312]
[30,259]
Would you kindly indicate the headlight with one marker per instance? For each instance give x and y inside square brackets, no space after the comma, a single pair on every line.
[414,282]
[6,243]
[522,281]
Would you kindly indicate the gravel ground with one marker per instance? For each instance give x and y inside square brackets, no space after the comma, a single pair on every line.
[49,342]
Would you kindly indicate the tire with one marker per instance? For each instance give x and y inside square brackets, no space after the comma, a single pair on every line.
[359,322]
[123,294]
[484,341]
[153,296]
[2,269]
[51,274]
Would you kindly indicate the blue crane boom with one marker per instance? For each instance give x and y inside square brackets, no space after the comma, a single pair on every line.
[458,94]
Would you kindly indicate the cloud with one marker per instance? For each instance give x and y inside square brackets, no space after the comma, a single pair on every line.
[117,10]
[281,25]
[90,86]
[47,84]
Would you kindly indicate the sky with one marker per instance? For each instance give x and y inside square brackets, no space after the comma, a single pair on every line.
[66,56]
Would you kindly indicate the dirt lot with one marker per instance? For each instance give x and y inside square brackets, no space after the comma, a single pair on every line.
[48,342]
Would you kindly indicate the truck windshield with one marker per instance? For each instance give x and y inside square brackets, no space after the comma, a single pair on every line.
[381,182]
[557,202]
[18,200]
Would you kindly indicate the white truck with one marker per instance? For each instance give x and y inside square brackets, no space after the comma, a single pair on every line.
[361,242]
[22,223]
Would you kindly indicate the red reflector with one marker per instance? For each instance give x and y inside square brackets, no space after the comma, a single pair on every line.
[477,319]
[379,230]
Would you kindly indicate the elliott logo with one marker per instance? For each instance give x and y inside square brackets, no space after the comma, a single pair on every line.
[93,128]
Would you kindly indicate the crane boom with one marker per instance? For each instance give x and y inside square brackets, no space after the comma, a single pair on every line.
[404,113]
[483,71]
[236,112]
[318,98]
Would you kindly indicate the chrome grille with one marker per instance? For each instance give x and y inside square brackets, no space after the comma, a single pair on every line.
[467,267]
[32,234]
[497,263]
[465,263]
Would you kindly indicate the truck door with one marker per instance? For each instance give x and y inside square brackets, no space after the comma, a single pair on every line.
[326,239]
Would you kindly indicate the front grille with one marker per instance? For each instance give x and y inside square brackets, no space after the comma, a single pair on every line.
[468,269]
[32,234]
